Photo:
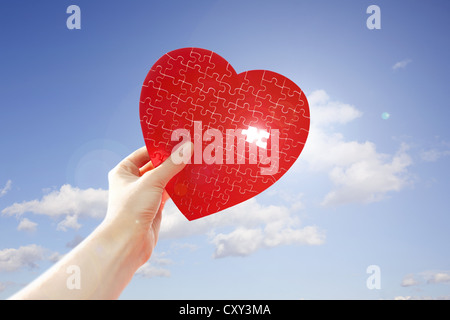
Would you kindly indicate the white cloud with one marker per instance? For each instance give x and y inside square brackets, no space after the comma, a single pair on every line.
[68,202]
[240,242]
[27,225]
[401,64]
[12,259]
[244,241]
[295,201]
[69,222]
[368,180]
[402,298]
[439,277]
[65,201]
[409,280]
[247,214]
[422,298]
[253,226]
[433,155]
[359,173]
[325,111]
[155,267]
[149,271]
[6,188]
[428,277]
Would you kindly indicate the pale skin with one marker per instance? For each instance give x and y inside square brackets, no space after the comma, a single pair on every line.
[109,257]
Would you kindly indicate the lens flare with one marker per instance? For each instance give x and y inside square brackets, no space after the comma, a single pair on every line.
[385,115]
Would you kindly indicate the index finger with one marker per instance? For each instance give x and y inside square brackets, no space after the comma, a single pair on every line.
[139,157]
[135,161]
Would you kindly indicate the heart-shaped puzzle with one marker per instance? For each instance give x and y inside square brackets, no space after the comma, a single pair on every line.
[247,129]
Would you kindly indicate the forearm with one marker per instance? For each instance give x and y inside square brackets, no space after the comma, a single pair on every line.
[98,268]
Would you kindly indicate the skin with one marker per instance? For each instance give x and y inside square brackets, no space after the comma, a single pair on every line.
[108,258]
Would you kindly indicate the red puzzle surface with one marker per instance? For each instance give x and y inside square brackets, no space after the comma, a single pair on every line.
[248,128]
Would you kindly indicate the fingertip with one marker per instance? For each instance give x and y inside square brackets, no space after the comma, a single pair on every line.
[162,174]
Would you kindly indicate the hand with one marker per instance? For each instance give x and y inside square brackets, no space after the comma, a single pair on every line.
[137,195]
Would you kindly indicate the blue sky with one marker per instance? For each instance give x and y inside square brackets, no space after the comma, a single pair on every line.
[365,191]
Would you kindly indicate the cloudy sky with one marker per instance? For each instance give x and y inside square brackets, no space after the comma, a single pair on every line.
[370,188]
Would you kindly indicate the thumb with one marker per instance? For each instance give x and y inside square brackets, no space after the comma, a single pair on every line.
[162,174]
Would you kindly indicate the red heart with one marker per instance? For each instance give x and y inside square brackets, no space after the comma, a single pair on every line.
[247,129]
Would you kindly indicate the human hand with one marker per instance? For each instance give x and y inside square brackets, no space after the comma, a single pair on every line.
[137,196]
